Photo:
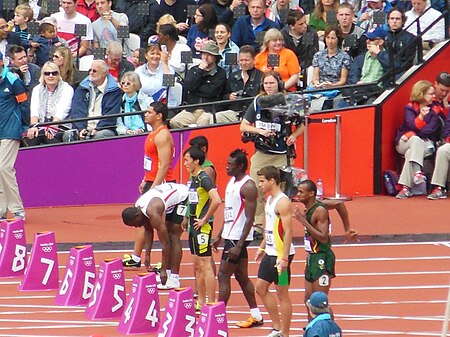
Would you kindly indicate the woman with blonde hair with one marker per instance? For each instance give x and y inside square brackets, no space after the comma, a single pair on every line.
[416,137]
[287,66]
[63,57]
[51,101]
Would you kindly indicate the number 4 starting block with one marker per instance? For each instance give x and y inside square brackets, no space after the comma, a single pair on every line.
[13,248]
[141,315]
[42,270]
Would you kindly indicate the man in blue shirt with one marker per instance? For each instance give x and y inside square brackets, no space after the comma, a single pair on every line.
[247,27]
[14,120]
[322,324]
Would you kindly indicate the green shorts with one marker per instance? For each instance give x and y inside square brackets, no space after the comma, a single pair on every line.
[319,264]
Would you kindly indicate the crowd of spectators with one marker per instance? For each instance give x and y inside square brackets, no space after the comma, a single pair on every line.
[201,52]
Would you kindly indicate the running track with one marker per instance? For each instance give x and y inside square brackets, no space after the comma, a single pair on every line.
[389,289]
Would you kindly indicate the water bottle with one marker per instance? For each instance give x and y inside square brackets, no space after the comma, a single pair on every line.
[319,194]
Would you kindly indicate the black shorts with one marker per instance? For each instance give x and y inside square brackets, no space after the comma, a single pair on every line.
[230,244]
[200,240]
[268,272]
[176,216]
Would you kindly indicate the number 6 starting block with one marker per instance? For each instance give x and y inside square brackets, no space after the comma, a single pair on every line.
[13,248]
[142,312]
[42,270]
[79,278]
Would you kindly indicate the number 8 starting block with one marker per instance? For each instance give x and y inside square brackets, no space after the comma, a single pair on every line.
[13,248]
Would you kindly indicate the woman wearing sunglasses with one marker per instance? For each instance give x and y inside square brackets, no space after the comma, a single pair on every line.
[50,102]
[132,101]
[63,57]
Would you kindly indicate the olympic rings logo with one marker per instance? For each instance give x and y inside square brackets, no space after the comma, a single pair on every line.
[88,263]
[117,276]
[47,249]
[203,318]
[133,290]
[151,290]
[18,236]
[71,262]
[188,305]
[220,319]
[170,305]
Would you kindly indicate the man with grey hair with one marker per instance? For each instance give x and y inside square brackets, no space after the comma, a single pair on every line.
[322,324]
[118,65]
[97,95]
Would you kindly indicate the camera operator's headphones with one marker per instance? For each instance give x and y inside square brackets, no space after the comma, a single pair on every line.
[277,76]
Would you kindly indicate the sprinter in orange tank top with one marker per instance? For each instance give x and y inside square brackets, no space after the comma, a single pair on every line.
[158,154]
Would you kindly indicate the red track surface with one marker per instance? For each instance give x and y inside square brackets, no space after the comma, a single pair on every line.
[396,289]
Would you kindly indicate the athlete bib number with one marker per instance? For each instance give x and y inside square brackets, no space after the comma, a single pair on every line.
[307,244]
[181,210]
[228,214]
[193,197]
[269,238]
[147,163]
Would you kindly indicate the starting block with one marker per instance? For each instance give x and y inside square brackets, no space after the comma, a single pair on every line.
[79,278]
[108,298]
[141,315]
[13,248]
[179,319]
[42,271]
[212,321]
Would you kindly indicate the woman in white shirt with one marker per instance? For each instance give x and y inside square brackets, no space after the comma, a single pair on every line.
[51,101]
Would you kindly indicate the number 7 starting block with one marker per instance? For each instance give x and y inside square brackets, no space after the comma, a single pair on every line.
[42,271]
[13,248]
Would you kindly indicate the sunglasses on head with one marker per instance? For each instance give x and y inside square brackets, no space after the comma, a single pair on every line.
[52,73]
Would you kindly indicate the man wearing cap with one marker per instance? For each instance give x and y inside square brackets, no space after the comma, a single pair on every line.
[320,260]
[441,105]
[203,83]
[322,325]
[366,68]
[14,120]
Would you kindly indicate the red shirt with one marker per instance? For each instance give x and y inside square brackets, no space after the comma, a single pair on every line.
[151,160]
[88,10]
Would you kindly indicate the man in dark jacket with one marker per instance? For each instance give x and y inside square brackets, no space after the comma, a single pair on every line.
[247,27]
[97,95]
[28,72]
[203,83]
[400,46]
[300,38]
[14,120]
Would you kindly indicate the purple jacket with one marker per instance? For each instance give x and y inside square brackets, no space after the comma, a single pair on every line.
[412,125]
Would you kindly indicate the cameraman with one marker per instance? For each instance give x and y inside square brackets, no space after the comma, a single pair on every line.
[268,135]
